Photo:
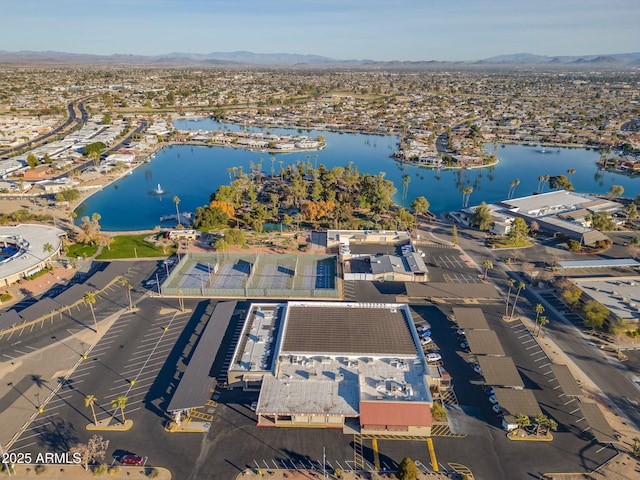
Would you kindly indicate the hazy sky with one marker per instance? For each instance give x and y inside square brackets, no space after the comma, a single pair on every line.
[341,29]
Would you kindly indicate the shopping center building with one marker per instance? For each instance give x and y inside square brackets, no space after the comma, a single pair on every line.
[335,365]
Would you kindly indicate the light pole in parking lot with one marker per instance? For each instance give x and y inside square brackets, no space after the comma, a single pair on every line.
[324,463]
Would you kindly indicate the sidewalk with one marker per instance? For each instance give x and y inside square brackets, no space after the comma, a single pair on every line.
[51,472]
[30,381]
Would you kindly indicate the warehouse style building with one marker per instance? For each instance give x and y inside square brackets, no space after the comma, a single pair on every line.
[335,365]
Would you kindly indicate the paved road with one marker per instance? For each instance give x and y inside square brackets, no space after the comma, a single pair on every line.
[70,119]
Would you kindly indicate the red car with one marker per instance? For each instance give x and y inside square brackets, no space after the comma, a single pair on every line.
[131,459]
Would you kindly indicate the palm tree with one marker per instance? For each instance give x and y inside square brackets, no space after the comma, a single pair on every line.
[406,178]
[120,402]
[551,424]
[538,309]
[570,172]
[90,299]
[176,200]
[512,187]
[541,322]
[488,265]
[545,178]
[466,194]
[48,248]
[540,420]
[522,421]
[540,181]
[126,283]
[521,287]
[89,401]
[512,282]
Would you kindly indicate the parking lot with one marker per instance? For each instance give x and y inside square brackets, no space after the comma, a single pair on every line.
[144,353]
[571,448]
[140,357]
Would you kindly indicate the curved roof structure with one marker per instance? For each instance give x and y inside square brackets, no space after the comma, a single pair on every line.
[29,241]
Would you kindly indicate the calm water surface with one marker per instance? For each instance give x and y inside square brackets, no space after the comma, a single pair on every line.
[192,173]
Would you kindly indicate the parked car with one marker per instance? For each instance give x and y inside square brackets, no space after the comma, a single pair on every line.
[497,408]
[434,357]
[151,282]
[493,399]
[460,332]
[488,391]
[425,333]
[426,340]
[464,345]
[477,368]
[254,405]
[423,327]
[131,459]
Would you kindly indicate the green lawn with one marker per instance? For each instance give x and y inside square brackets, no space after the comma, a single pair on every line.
[81,250]
[506,242]
[132,246]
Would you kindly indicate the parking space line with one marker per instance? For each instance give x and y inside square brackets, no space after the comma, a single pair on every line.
[532,346]
[536,353]
[148,348]
[539,360]
[142,355]
[32,436]
[546,373]
[85,366]
[529,341]
[128,367]
[169,337]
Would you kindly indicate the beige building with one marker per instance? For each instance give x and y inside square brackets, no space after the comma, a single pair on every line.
[354,366]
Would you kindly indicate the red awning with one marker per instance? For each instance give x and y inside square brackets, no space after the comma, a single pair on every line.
[396,414]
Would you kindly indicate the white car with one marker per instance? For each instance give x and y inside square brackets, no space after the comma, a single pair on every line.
[426,340]
[477,368]
[433,357]
[150,283]
[460,332]
[423,327]
[493,399]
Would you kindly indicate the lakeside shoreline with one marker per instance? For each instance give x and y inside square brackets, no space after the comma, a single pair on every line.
[103,181]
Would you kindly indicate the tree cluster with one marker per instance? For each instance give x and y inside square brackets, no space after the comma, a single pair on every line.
[316,194]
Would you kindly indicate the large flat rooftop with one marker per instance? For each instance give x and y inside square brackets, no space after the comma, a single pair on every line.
[350,329]
[552,203]
[621,295]
[336,385]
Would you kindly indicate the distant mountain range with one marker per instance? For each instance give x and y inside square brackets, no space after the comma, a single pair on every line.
[243,58]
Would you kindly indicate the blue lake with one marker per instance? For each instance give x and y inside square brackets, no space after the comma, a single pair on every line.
[192,173]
